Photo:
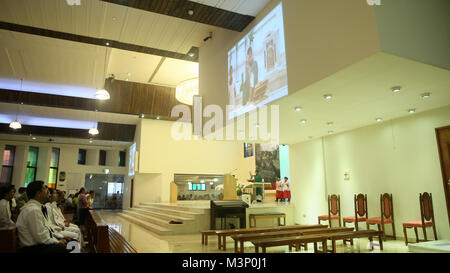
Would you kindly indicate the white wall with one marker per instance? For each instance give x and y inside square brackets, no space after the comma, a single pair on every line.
[161,156]
[398,157]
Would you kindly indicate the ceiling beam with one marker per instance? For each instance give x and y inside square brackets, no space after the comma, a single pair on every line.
[107,131]
[201,13]
[95,41]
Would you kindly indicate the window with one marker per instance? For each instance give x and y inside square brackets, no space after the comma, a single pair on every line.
[7,165]
[30,175]
[54,164]
[113,188]
[122,158]
[102,158]
[81,157]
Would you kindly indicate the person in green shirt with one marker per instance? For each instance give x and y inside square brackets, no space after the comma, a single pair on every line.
[259,190]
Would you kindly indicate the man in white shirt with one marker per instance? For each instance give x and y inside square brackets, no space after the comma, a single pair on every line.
[34,230]
[6,195]
[58,221]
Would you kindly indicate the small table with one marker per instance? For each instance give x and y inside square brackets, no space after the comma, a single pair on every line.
[267,215]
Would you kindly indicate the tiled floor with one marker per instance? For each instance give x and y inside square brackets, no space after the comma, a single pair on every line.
[147,242]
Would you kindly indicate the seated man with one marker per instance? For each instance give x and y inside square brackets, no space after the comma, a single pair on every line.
[57,219]
[34,230]
[6,195]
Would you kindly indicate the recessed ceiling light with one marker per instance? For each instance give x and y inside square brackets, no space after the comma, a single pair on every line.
[304,121]
[129,74]
[425,95]
[396,89]
[33,138]
[142,116]
[191,12]
[379,119]
[330,132]
[298,109]
[107,44]
[158,117]
[90,141]
[328,96]
[411,111]
[191,54]
[330,124]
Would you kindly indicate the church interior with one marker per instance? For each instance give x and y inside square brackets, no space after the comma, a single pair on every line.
[231,126]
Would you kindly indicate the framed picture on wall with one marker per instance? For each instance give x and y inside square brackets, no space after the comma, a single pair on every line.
[62,176]
[248,150]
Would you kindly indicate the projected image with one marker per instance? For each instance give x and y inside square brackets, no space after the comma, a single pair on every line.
[257,73]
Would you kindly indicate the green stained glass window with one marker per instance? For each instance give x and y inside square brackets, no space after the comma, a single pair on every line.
[54,164]
[30,175]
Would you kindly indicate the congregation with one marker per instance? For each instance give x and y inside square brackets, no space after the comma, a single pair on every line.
[42,217]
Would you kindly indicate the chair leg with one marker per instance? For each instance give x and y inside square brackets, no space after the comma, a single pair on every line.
[384,231]
[406,236]
[425,233]
[417,235]
[393,231]
[356,225]
[434,231]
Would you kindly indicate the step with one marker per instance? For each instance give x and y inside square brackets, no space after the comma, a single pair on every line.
[176,207]
[163,216]
[147,218]
[169,211]
[146,225]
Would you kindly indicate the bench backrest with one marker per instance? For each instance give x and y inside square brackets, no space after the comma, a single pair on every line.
[8,240]
[98,235]
[271,229]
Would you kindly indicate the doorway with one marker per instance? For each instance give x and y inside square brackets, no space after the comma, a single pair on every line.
[108,190]
[443,140]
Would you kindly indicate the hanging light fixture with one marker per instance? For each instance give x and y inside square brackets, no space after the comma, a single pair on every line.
[16,124]
[103,94]
[186,91]
[94,131]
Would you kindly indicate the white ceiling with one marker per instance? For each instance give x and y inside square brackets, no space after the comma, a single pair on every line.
[362,93]
[247,7]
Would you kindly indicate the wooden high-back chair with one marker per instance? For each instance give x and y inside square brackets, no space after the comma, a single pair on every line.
[334,210]
[361,214]
[387,215]
[426,215]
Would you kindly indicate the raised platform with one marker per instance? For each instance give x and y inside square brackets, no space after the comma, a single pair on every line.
[194,216]
[441,246]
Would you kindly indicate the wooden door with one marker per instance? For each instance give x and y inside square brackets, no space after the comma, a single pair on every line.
[131,193]
[443,140]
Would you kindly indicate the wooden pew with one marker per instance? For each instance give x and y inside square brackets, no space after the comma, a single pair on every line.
[222,234]
[205,235]
[8,240]
[102,239]
[291,241]
[356,234]
[118,244]
[241,238]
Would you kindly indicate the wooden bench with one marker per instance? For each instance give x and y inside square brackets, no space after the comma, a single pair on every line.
[266,216]
[8,239]
[222,234]
[356,234]
[205,235]
[241,238]
[291,241]
[118,244]
[102,239]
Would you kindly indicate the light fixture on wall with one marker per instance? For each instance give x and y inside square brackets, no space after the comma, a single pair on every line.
[103,94]
[186,91]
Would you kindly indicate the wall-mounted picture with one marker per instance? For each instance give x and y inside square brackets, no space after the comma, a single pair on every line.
[248,150]
[268,161]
